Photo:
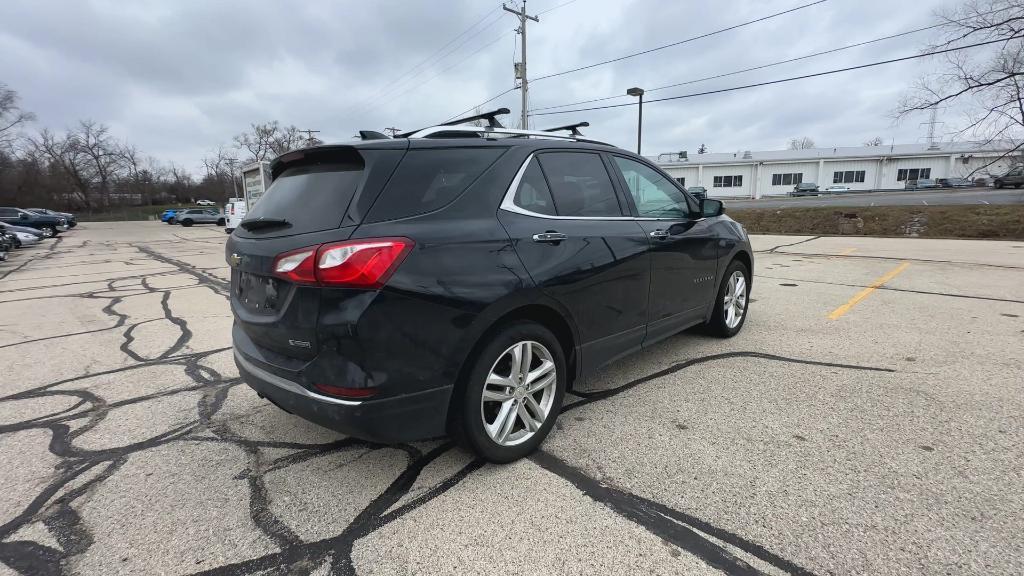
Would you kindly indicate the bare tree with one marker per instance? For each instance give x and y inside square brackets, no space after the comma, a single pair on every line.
[12,117]
[269,140]
[801,143]
[986,83]
[876,141]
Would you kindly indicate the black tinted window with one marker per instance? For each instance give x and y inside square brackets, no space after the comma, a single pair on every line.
[580,185]
[310,198]
[533,193]
[427,180]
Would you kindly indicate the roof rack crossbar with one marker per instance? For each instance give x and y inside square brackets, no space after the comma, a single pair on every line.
[492,121]
[572,128]
[485,131]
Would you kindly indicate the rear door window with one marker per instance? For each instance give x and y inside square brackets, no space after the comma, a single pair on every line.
[311,198]
[580,185]
[533,193]
[428,180]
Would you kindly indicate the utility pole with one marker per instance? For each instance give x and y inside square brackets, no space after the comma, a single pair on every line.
[309,136]
[231,162]
[392,131]
[520,67]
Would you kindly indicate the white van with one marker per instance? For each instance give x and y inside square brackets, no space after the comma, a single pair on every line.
[234,211]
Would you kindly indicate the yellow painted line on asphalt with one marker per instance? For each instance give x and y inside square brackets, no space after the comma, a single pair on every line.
[838,312]
[848,251]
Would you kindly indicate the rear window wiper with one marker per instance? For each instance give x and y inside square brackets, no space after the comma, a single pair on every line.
[261,223]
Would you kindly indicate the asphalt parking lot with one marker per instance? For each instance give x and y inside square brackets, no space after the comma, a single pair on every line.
[847,430]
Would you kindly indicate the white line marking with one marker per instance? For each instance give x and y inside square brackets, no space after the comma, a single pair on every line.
[925,202]
[872,203]
[983,202]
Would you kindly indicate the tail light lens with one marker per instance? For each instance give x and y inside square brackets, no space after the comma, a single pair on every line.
[297,265]
[367,263]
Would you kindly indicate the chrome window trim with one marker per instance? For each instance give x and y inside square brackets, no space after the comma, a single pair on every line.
[508,202]
[288,385]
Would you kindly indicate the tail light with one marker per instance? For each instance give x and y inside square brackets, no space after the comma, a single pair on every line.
[367,263]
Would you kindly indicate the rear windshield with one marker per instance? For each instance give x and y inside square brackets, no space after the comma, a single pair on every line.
[427,180]
[310,198]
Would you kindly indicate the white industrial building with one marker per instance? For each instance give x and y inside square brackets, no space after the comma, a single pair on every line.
[747,174]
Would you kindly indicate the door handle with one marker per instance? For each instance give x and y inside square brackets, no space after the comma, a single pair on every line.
[660,234]
[550,237]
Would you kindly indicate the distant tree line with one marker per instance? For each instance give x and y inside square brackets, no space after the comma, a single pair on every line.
[87,168]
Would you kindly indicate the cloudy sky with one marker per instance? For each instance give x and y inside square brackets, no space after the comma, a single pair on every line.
[179,78]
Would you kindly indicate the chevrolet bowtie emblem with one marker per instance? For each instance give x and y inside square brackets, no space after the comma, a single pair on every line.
[234,259]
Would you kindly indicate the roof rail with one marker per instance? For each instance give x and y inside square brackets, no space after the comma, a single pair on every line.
[572,128]
[492,122]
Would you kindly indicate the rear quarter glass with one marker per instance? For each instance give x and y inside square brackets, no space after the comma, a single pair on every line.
[428,180]
[311,198]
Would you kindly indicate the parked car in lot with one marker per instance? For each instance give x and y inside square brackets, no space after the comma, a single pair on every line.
[50,226]
[698,192]
[6,244]
[805,189]
[836,189]
[234,211]
[205,203]
[954,182]
[23,229]
[168,215]
[199,216]
[70,218]
[463,284]
[921,184]
[1014,177]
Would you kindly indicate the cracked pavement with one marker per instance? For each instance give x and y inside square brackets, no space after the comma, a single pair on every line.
[885,441]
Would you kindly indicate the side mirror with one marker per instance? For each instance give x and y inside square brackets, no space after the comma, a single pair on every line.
[23,216]
[710,208]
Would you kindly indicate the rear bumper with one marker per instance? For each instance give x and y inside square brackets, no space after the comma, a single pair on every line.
[405,418]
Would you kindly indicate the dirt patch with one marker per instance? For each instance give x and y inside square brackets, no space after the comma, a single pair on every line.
[1003,222]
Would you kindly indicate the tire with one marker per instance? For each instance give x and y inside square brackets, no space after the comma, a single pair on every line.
[720,324]
[187,222]
[221,222]
[473,416]
[172,221]
[48,231]
[999,184]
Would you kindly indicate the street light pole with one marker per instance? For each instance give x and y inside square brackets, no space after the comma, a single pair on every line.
[639,92]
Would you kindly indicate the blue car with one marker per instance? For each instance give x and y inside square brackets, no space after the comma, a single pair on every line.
[168,216]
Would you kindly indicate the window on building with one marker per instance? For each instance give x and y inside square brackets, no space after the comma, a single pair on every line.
[904,174]
[848,176]
[787,179]
[682,181]
[728,181]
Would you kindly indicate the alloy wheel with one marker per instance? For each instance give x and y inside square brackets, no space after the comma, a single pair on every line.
[47,232]
[518,393]
[735,302]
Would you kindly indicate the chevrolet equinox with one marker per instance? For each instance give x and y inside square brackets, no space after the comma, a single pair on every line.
[459,280]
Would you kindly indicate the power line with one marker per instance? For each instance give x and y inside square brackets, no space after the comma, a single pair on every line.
[763,66]
[793,78]
[753,68]
[555,7]
[413,87]
[439,55]
[691,39]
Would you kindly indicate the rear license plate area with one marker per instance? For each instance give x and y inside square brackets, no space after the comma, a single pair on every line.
[260,294]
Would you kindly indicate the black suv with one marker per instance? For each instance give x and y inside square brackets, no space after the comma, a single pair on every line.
[461,282]
[49,225]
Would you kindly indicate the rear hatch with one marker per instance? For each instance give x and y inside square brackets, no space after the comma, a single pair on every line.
[317,196]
